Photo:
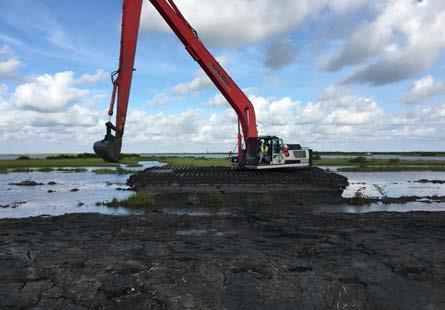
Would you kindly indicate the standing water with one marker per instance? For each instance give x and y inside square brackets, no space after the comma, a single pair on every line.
[79,192]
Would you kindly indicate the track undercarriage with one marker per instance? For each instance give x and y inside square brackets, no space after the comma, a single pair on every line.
[174,179]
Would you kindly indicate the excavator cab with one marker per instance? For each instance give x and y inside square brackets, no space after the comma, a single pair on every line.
[268,152]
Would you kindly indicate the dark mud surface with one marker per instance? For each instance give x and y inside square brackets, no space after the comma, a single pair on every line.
[244,261]
[360,200]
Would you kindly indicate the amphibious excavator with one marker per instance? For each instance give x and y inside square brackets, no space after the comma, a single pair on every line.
[254,151]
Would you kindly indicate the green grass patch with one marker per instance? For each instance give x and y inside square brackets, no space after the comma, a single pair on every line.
[71,163]
[137,201]
[72,170]
[391,168]
[105,171]
[215,202]
[193,200]
[45,169]
[134,165]
[260,201]
[86,156]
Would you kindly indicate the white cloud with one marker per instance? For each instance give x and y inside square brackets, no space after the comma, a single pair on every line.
[49,131]
[9,67]
[97,77]
[75,116]
[217,100]
[280,54]
[3,89]
[274,112]
[6,50]
[199,83]
[404,39]
[160,99]
[337,120]
[48,93]
[338,108]
[423,89]
[236,22]
[162,128]
[335,116]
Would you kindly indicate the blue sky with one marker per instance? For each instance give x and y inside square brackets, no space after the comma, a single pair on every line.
[345,75]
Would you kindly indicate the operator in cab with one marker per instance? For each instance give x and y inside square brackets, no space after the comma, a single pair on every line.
[264,152]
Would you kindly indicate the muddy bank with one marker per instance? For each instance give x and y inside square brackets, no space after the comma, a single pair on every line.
[362,200]
[250,261]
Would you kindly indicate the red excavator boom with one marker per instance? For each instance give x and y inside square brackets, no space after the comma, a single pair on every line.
[110,147]
[265,152]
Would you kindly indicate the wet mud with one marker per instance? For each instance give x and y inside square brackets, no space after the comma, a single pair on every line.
[362,200]
[430,181]
[248,260]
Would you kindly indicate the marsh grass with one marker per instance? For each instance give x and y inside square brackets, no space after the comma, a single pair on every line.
[73,170]
[137,201]
[45,169]
[215,202]
[193,200]
[134,165]
[260,201]
[68,162]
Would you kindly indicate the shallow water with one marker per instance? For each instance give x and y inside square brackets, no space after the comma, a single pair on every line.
[91,187]
[394,184]
[94,188]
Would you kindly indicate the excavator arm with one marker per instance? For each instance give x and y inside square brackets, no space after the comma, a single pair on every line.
[110,147]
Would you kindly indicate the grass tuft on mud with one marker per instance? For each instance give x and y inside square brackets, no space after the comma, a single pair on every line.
[261,201]
[137,201]
[193,200]
[215,202]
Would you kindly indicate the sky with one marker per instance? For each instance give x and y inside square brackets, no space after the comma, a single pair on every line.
[344,75]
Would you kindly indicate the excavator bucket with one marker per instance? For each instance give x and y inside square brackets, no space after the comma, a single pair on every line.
[109,149]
